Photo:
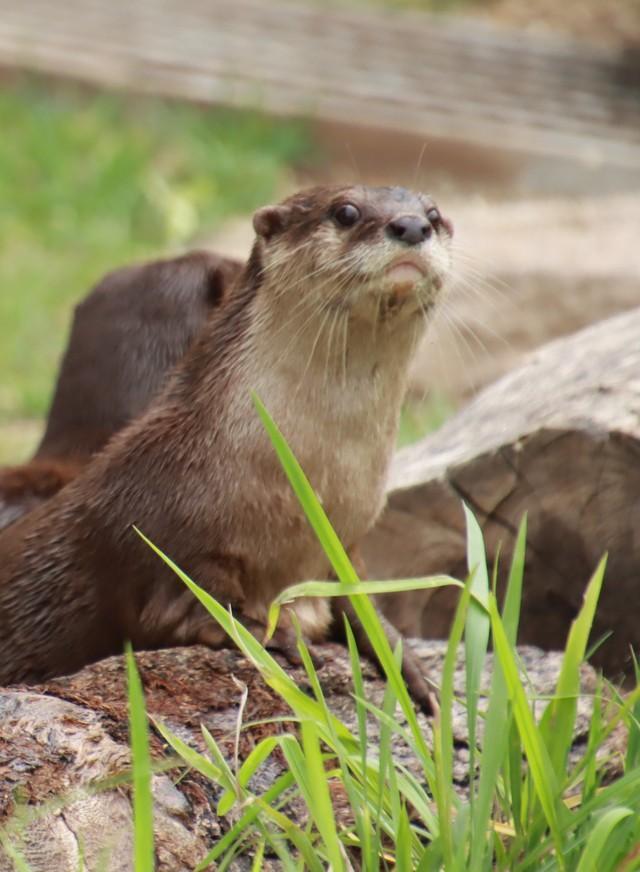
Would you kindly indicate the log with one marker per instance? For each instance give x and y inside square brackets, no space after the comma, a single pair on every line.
[60,741]
[559,439]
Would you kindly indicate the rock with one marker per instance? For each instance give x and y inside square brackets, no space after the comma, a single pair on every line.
[61,740]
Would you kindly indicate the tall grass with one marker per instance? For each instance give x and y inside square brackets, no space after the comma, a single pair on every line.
[529,805]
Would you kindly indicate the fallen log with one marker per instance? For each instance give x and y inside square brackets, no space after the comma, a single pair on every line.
[559,439]
[61,743]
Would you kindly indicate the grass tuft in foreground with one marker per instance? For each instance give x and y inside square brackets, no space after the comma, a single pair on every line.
[530,805]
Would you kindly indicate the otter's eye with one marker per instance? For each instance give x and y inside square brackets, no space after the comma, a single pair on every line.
[347,215]
[434,218]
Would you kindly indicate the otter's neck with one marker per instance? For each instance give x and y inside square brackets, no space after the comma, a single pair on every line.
[305,362]
[328,359]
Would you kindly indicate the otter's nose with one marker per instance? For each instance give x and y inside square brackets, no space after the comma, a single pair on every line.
[410,229]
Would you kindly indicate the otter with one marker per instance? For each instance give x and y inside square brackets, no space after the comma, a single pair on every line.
[127,334]
[322,325]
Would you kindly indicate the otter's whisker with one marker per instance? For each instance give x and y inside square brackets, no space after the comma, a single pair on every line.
[323,321]
[458,340]
[419,163]
[330,335]
[345,333]
[376,319]
[317,308]
[292,315]
[480,288]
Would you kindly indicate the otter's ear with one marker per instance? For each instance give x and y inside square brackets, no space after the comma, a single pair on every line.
[221,273]
[271,220]
[216,285]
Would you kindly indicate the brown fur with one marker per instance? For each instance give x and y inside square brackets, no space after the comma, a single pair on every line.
[197,473]
[126,335]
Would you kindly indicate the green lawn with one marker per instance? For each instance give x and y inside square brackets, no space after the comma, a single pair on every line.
[89,181]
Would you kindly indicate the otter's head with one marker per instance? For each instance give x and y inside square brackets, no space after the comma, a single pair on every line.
[378,252]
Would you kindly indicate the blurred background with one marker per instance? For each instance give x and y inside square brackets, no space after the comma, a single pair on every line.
[134,129]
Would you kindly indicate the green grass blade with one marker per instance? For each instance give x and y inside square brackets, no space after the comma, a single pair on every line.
[632,758]
[622,851]
[258,860]
[287,861]
[558,721]
[541,767]
[445,796]
[193,758]
[308,858]
[513,596]
[590,776]
[13,854]
[388,796]
[256,758]
[273,674]
[319,798]
[358,690]
[432,859]
[367,833]
[317,518]
[498,718]
[141,768]
[515,792]
[297,763]
[404,862]
[226,773]
[597,841]
[373,588]
[339,588]
[233,792]
[393,798]
[371,622]
[344,570]
[362,822]
[494,751]
[274,793]
[476,637]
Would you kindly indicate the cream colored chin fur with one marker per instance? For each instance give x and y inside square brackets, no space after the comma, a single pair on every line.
[334,382]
